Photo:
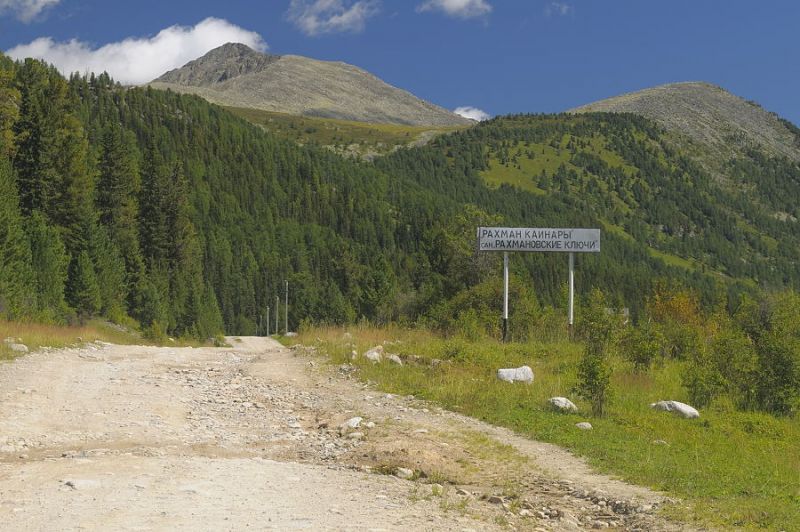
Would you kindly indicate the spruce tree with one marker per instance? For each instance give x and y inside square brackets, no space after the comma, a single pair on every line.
[50,266]
[111,277]
[16,276]
[84,294]
[9,106]
[117,202]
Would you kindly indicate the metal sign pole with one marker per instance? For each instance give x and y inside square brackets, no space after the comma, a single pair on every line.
[286,307]
[505,297]
[267,321]
[571,292]
[277,312]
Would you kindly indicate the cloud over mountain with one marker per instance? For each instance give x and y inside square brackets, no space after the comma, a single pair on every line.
[26,10]
[331,16]
[457,8]
[560,9]
[473,113]
[139,59]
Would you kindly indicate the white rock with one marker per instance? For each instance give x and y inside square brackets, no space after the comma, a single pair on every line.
[18,348]
[522,374]
[404,473]
[375,354]
[352,423]
[395,359]
[370,425]
[353,354]
[682,409]
[584,425]
[562,404]
[291,334]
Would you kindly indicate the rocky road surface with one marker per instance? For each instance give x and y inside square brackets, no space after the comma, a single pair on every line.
[255,437]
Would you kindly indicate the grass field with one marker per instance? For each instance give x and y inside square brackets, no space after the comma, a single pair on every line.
[732,469]
[358,138]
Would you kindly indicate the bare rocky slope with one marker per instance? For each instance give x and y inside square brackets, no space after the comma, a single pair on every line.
[706,114]
[237,76]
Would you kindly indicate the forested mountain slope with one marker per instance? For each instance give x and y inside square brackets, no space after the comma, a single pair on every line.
[166,208]
[708,122]
[624,172]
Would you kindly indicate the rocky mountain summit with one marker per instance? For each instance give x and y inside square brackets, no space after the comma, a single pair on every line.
[235,75]
[707,114]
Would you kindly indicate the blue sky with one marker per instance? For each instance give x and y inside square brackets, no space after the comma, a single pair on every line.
[501,56]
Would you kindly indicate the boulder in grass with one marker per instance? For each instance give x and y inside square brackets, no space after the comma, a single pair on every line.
[584,425]
[395,359]
[562,404]
[18,348]
[522,374]
[682,409]
[375,354]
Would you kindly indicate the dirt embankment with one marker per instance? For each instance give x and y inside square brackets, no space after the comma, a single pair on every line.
[250,437]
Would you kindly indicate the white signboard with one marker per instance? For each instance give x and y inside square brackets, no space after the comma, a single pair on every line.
[538,239]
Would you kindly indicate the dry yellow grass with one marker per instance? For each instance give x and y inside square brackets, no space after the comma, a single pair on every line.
[37,335]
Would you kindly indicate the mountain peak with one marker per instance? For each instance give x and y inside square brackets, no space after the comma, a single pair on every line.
[237,76]
[228,61]
[705,113]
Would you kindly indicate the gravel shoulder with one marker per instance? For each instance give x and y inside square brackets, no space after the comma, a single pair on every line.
[250,437]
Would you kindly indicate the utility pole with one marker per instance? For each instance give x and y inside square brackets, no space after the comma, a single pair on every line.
[286,307]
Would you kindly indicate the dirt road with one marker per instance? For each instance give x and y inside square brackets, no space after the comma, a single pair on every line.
[250,438]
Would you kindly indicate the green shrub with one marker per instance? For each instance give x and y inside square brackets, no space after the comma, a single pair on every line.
[643,345]
[594,372]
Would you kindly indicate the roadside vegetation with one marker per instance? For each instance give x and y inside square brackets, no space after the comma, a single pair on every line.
[37,335]
[738,465]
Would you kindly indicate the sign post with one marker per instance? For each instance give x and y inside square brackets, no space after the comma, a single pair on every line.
[286,307]
[507,239]
[571,292]
[505,297]
[268,321]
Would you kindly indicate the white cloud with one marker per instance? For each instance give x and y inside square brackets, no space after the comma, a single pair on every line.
[26,10]
[558,8]
[473,113]
[139,60]
[331,16]
[457,8]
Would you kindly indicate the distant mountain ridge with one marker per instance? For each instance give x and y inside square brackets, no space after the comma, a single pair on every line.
[709,115]
[235,75]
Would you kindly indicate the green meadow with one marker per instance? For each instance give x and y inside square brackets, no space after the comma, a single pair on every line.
[728,468]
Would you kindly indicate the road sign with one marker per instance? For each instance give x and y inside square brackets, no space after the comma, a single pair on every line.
[539,239]
[506,239]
